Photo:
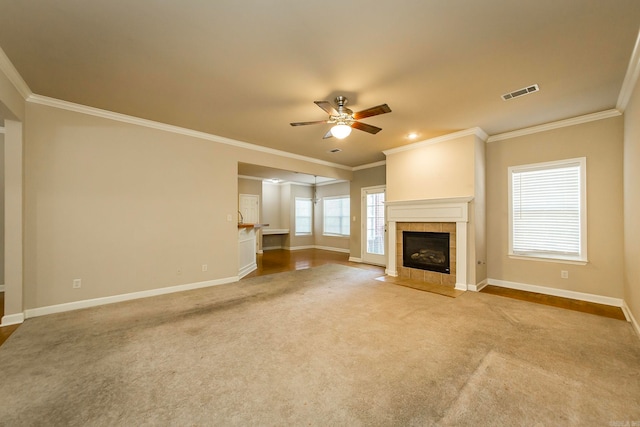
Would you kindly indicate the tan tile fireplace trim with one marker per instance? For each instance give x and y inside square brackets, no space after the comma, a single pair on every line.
[450,210]
[433,277]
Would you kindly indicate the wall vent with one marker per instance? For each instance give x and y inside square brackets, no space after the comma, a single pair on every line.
[520,92]
[334,150]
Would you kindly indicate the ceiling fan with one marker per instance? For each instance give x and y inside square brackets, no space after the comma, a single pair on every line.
[345,119]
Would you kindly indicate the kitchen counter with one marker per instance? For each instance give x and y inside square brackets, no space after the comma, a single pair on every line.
[243,225]
[247,248]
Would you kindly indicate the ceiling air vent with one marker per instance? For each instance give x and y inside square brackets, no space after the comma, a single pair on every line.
[520,92]
[334,150]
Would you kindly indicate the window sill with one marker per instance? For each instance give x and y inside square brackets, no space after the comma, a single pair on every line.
[549,259]
[346,236]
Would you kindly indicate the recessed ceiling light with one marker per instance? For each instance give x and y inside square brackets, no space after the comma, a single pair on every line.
[334,150]
[275,180]
[412,135]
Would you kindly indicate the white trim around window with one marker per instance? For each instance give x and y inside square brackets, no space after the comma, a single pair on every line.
[548,211]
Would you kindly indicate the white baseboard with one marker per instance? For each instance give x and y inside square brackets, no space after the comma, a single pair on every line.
[461,287]
[323,248]
[298,248]
[328,248]
[260,252]
[627,313]
[478,287]
[12,319]
[598,299]
[354,259]
[390,273]
[77,305]
[247,269]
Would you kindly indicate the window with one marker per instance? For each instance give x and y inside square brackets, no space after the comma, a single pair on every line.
[547,209]
[303,216]
[336,215]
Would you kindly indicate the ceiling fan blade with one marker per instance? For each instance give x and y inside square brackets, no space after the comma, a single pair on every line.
[365,127]
[317,122]
[373,111]
[328,135]
[326,106]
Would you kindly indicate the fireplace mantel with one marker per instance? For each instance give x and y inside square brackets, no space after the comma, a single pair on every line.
[431,210]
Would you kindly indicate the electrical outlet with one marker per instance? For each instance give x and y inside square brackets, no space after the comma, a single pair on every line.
[179,271]
[77,283]
[564,274]
[204,267]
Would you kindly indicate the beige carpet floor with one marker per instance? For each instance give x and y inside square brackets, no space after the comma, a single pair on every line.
[324,346]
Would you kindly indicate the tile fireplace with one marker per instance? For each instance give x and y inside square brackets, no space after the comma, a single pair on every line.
[429,218]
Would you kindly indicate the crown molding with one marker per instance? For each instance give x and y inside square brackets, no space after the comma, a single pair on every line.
[369,165]
[6,66]
[555,125]
[92,111]
[631,78]
[335,181]
[255,178]
[448,137]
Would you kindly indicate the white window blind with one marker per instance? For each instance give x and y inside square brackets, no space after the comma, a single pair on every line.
[336,213]
[547,206]
[303,215]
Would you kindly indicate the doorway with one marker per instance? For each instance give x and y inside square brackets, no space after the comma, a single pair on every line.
[374,229]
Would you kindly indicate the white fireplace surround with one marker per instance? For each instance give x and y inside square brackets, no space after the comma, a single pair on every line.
[432,210]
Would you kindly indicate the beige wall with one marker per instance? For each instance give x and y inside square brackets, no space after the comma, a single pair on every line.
[271,205]
[601,143]
[124,207]
[1,207]
[440,170]
[478,226]
[330,190]
[369,177]
[632,204]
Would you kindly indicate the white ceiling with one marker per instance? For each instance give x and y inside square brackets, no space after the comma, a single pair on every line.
[245,69]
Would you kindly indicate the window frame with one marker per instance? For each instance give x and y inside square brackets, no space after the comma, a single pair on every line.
[581,258]
[324,216]
[295,216]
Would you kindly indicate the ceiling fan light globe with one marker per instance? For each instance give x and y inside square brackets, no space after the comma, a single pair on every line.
[341,131]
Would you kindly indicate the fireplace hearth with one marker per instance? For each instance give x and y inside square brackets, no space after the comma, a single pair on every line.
[426,251]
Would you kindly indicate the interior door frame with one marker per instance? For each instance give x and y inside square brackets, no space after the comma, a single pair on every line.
[363,233]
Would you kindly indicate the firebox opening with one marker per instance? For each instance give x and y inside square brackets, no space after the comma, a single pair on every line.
[426,251]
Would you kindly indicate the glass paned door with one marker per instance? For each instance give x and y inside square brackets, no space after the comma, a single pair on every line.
[374,233]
